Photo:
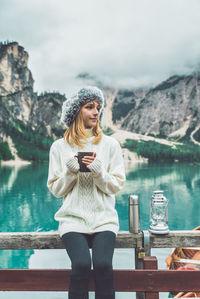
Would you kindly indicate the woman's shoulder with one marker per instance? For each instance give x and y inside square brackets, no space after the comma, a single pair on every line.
[110,140]
[57,143]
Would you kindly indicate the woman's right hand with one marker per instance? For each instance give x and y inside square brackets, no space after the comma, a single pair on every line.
[87,160]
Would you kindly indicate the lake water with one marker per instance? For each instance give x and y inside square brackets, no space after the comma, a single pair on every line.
[27,205]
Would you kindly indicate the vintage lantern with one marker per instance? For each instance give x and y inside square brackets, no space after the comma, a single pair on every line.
[159,214]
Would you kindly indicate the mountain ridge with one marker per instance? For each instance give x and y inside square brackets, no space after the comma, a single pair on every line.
[169,110]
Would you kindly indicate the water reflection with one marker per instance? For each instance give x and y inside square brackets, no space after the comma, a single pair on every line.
[181,185]
[26,204]
[29,206]
[15,259]
[8,177]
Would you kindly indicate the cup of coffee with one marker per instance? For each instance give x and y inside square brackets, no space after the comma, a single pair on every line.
[80,155]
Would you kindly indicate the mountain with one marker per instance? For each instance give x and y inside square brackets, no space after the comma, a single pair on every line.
[30,122]
[16,83]
[169,110]
[27,120]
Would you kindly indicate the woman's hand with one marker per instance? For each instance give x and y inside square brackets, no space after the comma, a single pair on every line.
[87,160]
[73,165]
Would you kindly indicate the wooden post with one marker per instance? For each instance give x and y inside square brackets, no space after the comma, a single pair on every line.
[134,227]
[150,262]
[139,255]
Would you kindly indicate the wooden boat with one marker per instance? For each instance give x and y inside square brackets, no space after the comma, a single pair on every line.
[183,258]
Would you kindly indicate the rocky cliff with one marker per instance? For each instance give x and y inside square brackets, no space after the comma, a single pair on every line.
[16,83]
[169,110]
[28,120]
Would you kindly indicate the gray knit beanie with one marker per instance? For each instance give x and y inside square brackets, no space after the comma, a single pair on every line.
[72,106]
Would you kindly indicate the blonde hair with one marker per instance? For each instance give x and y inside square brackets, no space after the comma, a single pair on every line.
[77,131]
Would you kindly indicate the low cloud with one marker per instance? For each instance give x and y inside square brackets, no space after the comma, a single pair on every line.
[122,44]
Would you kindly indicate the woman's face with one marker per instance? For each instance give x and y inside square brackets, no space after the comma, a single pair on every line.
[90,114]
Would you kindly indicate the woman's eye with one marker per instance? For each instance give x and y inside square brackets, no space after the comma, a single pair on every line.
[91,107]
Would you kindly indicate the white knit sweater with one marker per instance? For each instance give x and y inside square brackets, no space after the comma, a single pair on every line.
[88,197]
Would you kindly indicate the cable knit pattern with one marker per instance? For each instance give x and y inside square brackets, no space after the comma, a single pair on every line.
[88,198]
[85,192]
[73,164]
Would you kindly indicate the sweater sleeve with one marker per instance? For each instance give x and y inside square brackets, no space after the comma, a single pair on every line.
[111,181]
[60,179]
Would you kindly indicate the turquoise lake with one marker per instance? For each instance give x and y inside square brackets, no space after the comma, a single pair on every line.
[27,205]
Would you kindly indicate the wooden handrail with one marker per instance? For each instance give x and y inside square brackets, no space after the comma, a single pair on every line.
[125,239]
[52,240]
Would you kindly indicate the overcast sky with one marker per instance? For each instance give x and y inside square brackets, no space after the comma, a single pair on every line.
[127,43]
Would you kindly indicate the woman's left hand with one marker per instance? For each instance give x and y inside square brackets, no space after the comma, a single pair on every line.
[87,160]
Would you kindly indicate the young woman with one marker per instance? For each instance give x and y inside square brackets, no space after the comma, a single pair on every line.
[87,217]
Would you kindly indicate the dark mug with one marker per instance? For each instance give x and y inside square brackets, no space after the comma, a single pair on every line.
[80,155]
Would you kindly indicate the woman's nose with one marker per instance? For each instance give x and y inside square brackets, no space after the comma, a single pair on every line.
[96,111]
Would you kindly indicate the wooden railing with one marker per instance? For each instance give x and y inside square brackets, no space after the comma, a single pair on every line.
[125,239]
[148,279]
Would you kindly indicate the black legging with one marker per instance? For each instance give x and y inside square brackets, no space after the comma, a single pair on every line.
[77,246]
